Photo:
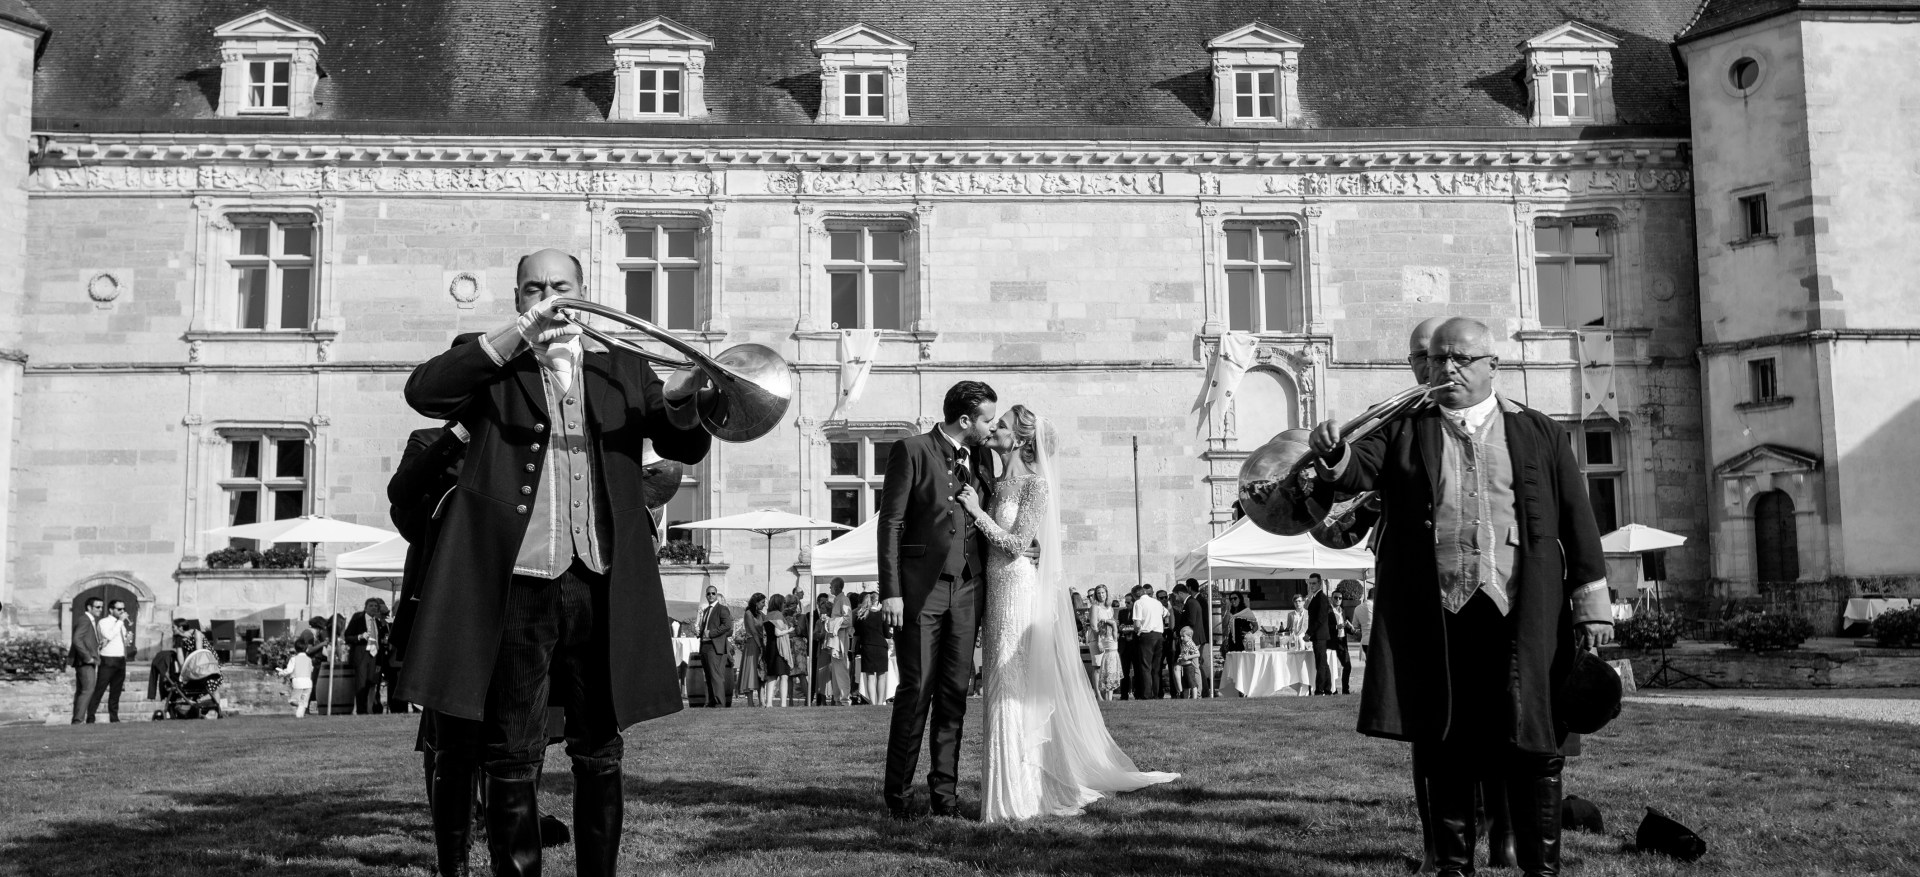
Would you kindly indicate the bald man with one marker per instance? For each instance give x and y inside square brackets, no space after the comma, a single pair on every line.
[1491,576]
[542,585]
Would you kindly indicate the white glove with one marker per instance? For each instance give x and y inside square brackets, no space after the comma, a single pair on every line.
[542,325]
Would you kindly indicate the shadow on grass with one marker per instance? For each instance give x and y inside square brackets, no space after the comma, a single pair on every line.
[327,832]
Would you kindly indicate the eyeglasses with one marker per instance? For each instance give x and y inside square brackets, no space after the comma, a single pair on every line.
[1458,360]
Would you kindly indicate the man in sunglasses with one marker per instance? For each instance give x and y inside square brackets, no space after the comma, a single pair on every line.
[715,629]
[1489,542]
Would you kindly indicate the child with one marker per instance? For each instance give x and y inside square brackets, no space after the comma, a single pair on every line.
[299,673]
[1188,661]
[1108,664]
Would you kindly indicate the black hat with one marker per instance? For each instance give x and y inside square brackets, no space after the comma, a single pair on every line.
[1660,834]
[1577,813]
[1589,697]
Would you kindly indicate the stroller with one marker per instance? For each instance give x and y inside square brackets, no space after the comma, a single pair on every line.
[188,686]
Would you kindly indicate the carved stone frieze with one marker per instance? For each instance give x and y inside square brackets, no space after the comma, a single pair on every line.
[329,178]
[1526,183]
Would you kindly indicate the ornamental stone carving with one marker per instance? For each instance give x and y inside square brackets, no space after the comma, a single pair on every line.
[329,178]
[464,289]
[1480,183]
[104,288]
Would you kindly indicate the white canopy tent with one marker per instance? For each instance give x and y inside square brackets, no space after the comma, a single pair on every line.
[854,557]
[383,560]
[1248,552]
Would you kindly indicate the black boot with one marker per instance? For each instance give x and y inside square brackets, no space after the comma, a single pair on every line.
[598,808]
[513,825]
[1421,808]
[450,801]
[1450,822]
[1533,795]
[1497,824]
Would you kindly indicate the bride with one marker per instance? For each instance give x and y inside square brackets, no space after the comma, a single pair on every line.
[1047,749]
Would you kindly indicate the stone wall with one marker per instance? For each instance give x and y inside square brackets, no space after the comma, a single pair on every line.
[1798,668]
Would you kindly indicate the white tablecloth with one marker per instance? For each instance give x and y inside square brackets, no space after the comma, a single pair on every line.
[1622,611]
[1864,609]
[1267,673]
[684,648]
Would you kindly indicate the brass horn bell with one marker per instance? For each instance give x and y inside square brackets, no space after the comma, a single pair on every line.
[738,396]
[1279,487]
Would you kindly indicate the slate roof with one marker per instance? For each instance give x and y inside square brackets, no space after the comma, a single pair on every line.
[1137,63]
[18,12]
[1714,16]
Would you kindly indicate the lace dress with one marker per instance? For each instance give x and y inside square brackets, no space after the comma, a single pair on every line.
[1041,759]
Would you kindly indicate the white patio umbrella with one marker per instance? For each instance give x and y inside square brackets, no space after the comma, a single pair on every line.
[312,529]
[768,523]
[1636,538]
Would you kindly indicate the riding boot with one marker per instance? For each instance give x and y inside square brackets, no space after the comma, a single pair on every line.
[1497,823]
[1533,794]
[513,825]
[450,802]
[598,808]
[1420,807]
[1450,821]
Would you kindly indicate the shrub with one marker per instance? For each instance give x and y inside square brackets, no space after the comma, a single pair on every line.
[233,558]
[284,557]
[1651,630]
[24,658]
[682,551]
[1768,631]
[275,652]
[1898,629]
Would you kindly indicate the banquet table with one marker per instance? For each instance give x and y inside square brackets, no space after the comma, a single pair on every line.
[1861,610]
[684,648]
[1267,673]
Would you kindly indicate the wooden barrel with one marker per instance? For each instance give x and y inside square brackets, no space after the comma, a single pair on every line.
[338,699]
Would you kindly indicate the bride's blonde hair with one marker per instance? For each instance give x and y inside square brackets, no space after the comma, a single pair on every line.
[1027,428]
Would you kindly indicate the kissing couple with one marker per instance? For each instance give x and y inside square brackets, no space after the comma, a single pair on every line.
[965,552]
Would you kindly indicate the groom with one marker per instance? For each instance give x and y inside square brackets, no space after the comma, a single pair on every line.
[933,589]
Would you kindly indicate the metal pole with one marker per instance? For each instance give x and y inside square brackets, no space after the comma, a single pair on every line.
[1138,566]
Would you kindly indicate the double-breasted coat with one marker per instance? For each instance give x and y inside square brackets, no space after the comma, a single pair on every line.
[1407,695]
[456,636]
[920,521]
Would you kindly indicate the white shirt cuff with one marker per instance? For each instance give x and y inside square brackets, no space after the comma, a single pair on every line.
[1339,465]
[1592,603]
[492,354]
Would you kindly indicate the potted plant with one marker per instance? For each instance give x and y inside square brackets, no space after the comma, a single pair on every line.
[233,557]
[682,551]
[291,556]
[1898,629]
[27,658]
[1760,632]
[1649,631]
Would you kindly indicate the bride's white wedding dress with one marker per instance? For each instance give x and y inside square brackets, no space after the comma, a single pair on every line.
[1048,750]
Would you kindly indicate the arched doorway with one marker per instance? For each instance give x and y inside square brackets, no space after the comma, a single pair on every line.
[1776,538]
[1263,406]
[108,588]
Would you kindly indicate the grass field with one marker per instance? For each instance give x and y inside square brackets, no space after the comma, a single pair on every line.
[1280,786]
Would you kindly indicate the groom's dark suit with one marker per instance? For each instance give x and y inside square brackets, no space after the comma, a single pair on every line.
[934,561]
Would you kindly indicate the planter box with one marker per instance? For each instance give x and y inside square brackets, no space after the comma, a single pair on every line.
[1793,668]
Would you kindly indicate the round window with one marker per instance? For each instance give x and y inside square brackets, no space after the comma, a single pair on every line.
[1744,74]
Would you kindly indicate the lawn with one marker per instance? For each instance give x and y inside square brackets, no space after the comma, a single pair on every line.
[1280,786]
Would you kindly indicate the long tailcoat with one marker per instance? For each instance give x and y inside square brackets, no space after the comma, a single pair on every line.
[428,471]
[1406,696]
[457,633]
[920,521]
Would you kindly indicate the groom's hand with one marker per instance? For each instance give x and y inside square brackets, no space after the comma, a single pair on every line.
[894,610]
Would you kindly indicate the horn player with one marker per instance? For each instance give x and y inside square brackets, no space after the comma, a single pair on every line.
[543,585]
[1491,575]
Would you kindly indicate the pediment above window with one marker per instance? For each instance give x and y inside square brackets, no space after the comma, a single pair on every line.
[863,76]
[269,66]
[1569,73]
[1572,35]
[660,32]
[1256,77]
[1256,36]
[1768,459]
[861,38]
[266,24]
[659,72]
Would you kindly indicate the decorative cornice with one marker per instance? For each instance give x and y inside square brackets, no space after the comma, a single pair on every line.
[1816,336]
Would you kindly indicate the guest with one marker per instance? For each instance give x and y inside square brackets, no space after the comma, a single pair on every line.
[1079,605]
[1176,602]
[298,673]
[714,627]
[1193,614]
[367,639]
[871,648]
[1363,619]
[1150,619]
[751,639]
[84,654]
[1296,623]
[1321,630]
[1245,624]
[1129,641]
[1187,664]
[1339,647]
[116,643]
[1099,609]
[831,685]
[777,642]
[1107,664]
[187,639]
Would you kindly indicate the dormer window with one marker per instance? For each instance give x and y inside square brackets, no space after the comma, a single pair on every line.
[863,76]
[659,72]
[1256,77]
[269,66]
[1570,75]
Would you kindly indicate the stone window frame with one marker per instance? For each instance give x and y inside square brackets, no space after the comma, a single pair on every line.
[1619,470]
[215,312]
[1740,480]
[660,44]
[264,36]
[862,48]
[866,477]
[1609,257]
[1254,48]
[1570,47]
[816,292]
[606,283]
[1312,254]
[866,267]
[1296,271]
[694,481]
[1739,232]
[1628,257]
[268,437]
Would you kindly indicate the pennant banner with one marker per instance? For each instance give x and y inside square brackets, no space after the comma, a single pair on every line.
[1596,374]
[857,349]
[1231,359]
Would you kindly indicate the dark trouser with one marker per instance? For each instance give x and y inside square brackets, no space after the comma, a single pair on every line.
[366,682]
[391,674]
[112,678]
[713,663]
[1345,650]
[1146,673]
[1322,672]
[935,655]
[85,679]
[553,648]
[1129,656]
[1474,766]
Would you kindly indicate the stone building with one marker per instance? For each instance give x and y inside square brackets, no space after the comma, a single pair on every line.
[231,231]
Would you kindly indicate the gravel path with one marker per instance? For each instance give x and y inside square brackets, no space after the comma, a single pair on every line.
[1896,705]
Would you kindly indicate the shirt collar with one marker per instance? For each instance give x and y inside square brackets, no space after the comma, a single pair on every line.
[958,448]
[1473,416]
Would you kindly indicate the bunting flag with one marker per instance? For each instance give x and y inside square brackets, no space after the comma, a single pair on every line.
[1231,359]
[857,350]
[1596,374]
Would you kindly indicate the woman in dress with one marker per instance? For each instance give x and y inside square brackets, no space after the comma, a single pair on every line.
[870,645]
[752,634]
[1048,752]
[777,648]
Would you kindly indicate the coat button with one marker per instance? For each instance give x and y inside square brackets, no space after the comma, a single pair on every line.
[526,489]
[530,467]
[1429,525]
[521,509]
[535,447]
[539,427]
